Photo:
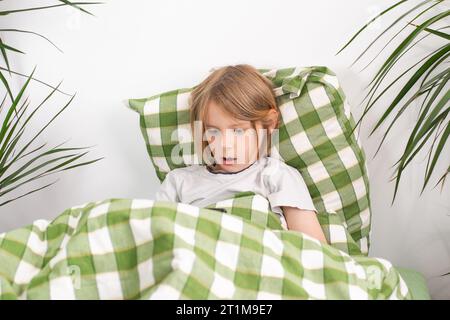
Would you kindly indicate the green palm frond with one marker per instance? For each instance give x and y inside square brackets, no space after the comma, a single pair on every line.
[4,48]
[34,79]
[32,33]
[64,3]
[20,161]
[426,80]
[29,165]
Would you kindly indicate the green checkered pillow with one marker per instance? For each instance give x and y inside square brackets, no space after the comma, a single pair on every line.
[314,137]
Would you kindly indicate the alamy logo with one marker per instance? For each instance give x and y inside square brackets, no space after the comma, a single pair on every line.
[74,272]
[374,277]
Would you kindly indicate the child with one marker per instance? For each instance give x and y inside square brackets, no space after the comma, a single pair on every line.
[236,111]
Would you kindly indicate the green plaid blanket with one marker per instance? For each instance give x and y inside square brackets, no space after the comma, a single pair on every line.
[146,249]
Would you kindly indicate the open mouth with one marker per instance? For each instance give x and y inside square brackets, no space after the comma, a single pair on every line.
[228,160]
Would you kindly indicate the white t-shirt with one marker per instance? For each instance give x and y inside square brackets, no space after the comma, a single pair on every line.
[275,180]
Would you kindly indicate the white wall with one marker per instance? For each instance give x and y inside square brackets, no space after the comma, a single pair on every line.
[141,48]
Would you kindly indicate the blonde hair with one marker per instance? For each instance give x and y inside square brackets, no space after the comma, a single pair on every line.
[242,91]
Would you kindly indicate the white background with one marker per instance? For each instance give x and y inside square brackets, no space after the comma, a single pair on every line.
[134,49]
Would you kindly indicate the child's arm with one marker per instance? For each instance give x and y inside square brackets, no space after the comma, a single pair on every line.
[304,221]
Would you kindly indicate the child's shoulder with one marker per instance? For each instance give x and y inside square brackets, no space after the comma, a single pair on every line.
[273,162]
[276,166]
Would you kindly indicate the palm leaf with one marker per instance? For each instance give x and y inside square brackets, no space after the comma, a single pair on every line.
[399,31]
[430,152]
[405,43]
[417,135]
[431,123]
[55,160]
[5,83]
[372,100]
[33,33]
[4,55]
[28,193]
[434,108]
[374,89]
[442,179]
[435,32]
[437,153]
[13,107]
[405,89]
[390,27]
[76,5]
[65,3]
[34,79]
[370,22]
[387,66]
[20,162]
[4,47]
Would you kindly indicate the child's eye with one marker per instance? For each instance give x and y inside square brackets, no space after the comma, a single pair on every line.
[212,131]
[239,131]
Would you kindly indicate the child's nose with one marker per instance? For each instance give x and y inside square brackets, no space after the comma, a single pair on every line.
[229,139]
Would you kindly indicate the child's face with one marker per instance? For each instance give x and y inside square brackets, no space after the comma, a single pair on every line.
[233,142]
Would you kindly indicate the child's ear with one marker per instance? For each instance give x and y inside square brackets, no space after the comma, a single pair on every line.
[273,115]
